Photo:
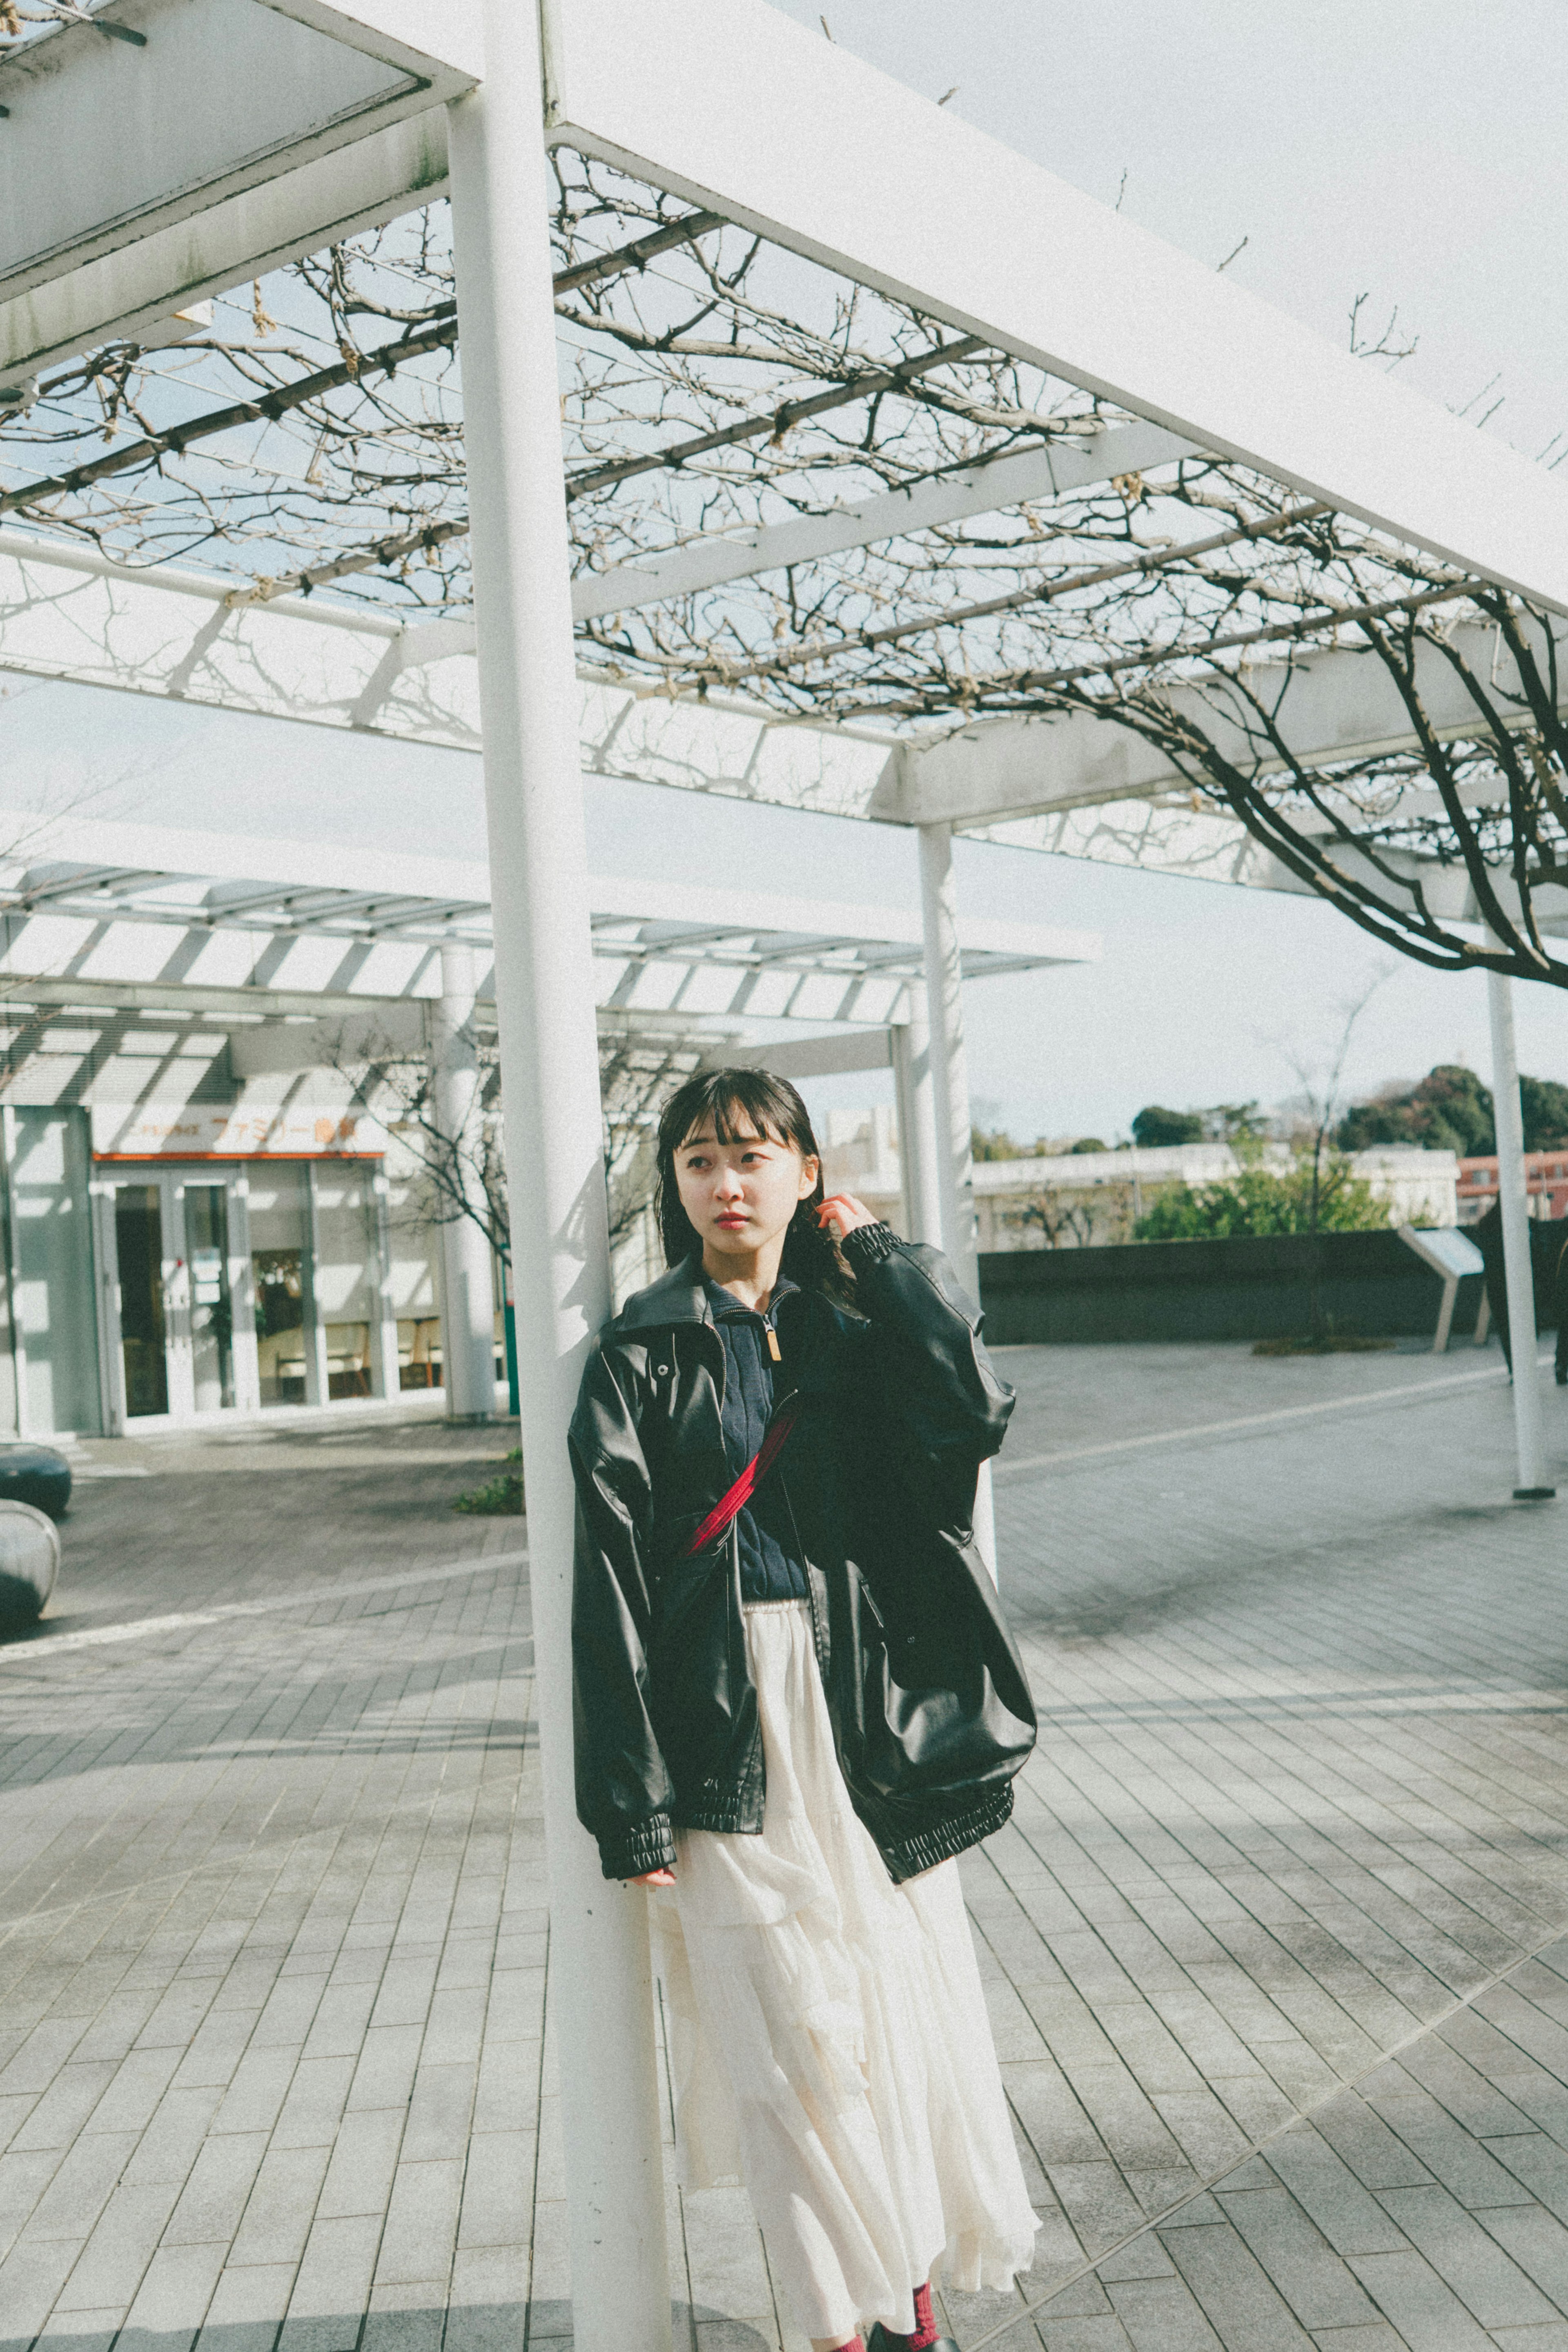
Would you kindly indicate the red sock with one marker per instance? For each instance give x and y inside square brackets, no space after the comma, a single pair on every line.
[925,2328]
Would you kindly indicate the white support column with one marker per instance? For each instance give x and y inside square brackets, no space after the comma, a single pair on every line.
[1513,1193]
[950,1099]
[601,1986]
[383,1337]
[919,1163]
[467,1275]
[317,1379]
[949,1074]
[13,1288]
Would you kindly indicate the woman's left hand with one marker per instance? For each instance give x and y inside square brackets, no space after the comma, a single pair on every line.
[844,1214]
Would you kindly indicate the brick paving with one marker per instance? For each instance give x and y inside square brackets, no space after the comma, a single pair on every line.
[1277,1946]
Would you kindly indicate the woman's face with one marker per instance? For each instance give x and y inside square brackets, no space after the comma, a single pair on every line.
[741,1195]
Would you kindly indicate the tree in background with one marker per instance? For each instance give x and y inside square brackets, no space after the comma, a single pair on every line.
[1450,1110]
[1155,1127]
[1545,1106]
[1447,1110]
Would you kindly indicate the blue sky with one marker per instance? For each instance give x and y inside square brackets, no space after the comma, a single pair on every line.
[1411,150]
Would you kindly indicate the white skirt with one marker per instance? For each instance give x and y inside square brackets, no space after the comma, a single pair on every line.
[829,2038]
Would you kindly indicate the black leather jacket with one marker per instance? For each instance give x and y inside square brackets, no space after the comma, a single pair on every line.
[898,1407]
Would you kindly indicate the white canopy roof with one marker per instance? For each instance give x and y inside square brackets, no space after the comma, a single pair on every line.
[92,905]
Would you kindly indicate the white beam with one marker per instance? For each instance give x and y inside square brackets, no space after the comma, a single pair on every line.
[1333,705]
[1035,943]
[67,612]
[39,841]
[225,96]
[739,108]
[192,999]
[746,113]
[1033,474]
[945,1015]
[807,1058]
[123,293]
[400,32]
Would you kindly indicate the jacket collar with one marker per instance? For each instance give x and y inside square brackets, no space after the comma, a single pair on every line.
[677,1296]
[680,1297]
[721,1303]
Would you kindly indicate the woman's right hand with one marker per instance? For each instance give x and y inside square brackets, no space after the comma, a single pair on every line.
[654,1878]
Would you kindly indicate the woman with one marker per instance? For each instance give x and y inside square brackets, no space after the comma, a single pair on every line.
[797,1702]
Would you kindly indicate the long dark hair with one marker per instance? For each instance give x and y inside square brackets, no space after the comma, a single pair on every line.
[741,1103]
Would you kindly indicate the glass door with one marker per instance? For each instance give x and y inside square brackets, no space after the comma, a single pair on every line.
[175,1281]
[144,1275]
[211,1309]
[230,1288]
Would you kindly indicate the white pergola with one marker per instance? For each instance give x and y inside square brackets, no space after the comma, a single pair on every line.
[246,132]
[119,920]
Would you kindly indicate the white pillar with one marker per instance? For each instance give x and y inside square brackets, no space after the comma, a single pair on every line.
[918,1161]
[949,1074]
[467,1273]
[1511,1192]
[317,1379]
[383,1334]
[601,1987]
[950,1099]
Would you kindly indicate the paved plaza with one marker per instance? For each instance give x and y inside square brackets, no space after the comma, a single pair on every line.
[1277,1946]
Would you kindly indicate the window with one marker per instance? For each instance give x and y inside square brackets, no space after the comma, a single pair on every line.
[280,1273]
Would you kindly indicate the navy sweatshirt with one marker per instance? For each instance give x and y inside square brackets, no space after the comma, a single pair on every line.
[771,1569]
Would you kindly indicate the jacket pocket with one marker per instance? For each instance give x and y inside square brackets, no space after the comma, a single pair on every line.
[938,1717]
[950,1738]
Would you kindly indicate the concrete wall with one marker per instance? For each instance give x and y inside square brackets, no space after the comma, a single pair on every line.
[1371,1284]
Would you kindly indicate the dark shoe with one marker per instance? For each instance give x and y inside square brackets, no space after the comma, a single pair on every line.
[879,2341]
[1563,1379]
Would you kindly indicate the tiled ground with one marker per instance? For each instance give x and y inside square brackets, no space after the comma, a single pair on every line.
[1277,1946]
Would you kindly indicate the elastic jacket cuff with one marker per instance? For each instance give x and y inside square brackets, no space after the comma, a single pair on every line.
[645,1845]
[940,1840]
[869,1245]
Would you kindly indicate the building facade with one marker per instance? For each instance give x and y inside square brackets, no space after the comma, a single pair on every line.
[173,1264]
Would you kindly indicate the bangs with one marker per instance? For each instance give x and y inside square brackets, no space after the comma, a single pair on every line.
[733,1121]
[740,1104]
